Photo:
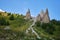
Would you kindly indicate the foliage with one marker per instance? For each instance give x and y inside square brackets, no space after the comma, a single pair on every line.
[11,17]
[3,21]
[57,33]
[55,22]
[0,13]
[9,14]
[48,27]
[18,25]
[38,24]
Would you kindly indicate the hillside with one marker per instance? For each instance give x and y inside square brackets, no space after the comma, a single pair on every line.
[14,26]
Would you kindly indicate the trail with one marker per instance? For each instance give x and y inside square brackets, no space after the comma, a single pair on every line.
[33,31]
[31,28]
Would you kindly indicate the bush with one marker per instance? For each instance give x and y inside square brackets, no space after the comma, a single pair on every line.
[9,14]
[48,27]
[12,17]
[3,21]
[38,24]
[7,23]
[0,13]
[55,22]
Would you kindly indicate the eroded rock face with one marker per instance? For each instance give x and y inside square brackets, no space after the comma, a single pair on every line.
[43,17]
[28,15]
[46,18]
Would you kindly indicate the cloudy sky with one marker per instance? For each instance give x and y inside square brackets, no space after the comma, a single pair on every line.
[35,6]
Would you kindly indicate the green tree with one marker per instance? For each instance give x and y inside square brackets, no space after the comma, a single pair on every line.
[57,33]
[7,23]
[38,23]
[48,27]
[0,13]
[2,21]
[12,17]
[9,14]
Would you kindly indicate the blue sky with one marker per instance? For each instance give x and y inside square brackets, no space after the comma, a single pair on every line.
[35,6]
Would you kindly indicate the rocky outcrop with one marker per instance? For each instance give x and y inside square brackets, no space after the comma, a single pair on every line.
[3,14]
[43,17]
[28,15]
[39,17]
[46,18]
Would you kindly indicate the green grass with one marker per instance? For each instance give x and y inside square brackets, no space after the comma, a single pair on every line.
[18,27]
[42,33]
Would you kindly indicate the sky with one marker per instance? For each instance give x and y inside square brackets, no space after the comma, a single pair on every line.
[35,6]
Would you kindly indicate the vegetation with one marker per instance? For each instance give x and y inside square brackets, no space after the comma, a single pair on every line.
[9,14]
[13,27]
[52,29]
[12,17]
[3,21]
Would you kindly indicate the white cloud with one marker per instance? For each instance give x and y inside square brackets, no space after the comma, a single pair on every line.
[1,10]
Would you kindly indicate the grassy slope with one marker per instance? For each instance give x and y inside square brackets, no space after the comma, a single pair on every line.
[20,25]
[17,27]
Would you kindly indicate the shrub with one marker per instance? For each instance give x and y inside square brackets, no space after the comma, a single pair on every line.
[38,24]
[9,14]
[3,21]
[12,17]
[48,27]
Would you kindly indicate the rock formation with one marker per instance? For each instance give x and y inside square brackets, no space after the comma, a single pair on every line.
[3,14]
[46,18]
[28,15]
[39,17]
[43,17]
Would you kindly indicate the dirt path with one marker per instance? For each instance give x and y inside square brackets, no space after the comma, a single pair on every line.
[31,28]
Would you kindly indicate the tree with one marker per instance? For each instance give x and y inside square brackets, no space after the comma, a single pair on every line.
[57,33]
[48,27]
[38,23]
[55,22]
[12,17]
[9,14]
[0,13]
